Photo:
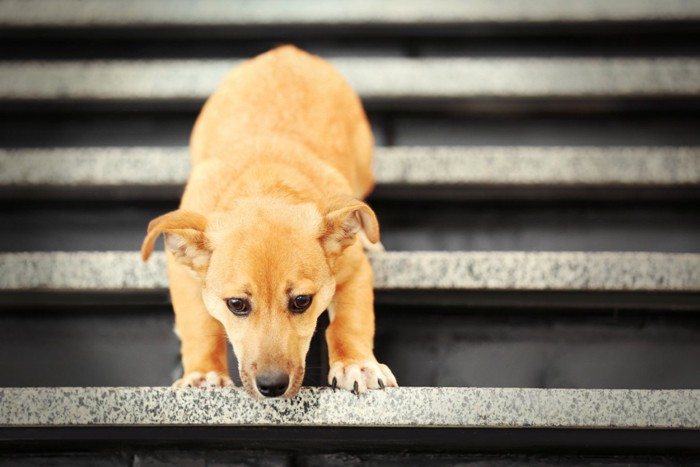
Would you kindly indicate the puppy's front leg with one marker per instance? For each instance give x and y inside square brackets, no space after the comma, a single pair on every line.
[350,335]
[203,341]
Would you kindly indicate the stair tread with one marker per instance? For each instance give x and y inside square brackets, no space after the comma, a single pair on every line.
[101,13]
[521,271]
[156,166]
[374,78]
[405,407]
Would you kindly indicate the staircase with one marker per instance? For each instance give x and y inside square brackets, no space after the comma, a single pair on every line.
[538,168]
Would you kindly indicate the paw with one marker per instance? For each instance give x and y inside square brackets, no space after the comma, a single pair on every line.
[359,377]
[196,379]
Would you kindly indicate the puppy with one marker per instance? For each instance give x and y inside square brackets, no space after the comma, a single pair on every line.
[266,237]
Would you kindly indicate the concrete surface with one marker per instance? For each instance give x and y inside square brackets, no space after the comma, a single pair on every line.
[428,407]
[520,271]
[506,165]
[110,13]
[372,78]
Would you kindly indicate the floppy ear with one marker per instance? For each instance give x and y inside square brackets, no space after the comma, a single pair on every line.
[344,217]
[184,237]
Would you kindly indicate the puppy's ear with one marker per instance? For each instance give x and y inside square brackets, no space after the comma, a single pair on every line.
[344,217]
[184,238]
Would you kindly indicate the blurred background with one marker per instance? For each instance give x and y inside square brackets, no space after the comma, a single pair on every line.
[500,127]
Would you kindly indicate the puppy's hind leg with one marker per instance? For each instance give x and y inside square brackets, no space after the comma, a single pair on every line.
[203,341]
[368,246]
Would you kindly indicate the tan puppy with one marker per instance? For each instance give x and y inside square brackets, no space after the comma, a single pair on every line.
[265,239]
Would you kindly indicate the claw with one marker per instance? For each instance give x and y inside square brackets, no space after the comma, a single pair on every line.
[356,388]
[381,383]
[334,383]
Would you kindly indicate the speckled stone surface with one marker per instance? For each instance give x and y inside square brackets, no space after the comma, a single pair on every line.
[69,13]
[430,407]
[372,78]
[393,165]
[537,271]
[538,165]
[86,271]
[133,80]
[95,271]
[94,166]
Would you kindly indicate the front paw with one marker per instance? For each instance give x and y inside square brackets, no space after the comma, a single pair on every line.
[358,377]
[196,379]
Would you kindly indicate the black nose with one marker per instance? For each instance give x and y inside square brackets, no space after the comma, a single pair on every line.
[272,384]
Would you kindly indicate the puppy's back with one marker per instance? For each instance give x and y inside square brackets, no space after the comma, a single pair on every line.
[288,94]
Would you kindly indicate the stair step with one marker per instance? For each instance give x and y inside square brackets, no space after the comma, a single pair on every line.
[381,82]
[363,14]
[414,418]
[392,270]
[626,279]
[416,407]
[480,172]
[436,417]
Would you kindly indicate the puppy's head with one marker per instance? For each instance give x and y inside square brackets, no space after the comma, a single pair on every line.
[265,267]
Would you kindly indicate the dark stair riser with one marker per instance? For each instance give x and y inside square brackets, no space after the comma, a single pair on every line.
[83,224]
[425,346]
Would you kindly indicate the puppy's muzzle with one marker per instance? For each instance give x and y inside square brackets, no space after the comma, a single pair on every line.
[272,384]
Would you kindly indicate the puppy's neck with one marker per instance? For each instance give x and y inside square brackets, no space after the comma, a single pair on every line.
[275,168]
[274,180]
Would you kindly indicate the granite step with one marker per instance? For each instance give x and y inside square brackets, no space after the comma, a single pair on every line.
[240,18]
[387,83]
[425,172]
[419,407]
[563,278]
[416,418]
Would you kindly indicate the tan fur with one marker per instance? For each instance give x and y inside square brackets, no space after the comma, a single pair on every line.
[280,153]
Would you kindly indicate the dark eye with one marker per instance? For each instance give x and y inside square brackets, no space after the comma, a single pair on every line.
[238,306]
[300,303]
